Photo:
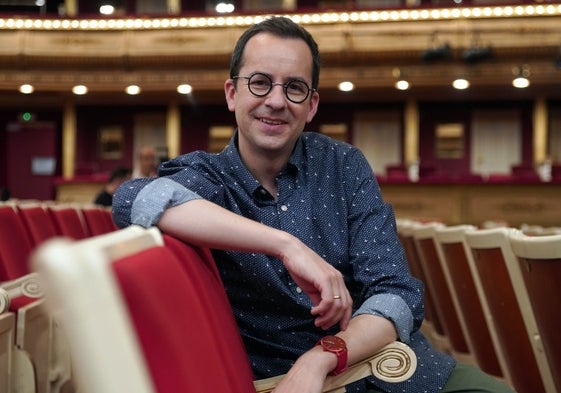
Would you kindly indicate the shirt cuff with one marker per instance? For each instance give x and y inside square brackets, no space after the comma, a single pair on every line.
[155,198]
[393,308]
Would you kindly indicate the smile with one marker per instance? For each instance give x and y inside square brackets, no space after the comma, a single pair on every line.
[272,122]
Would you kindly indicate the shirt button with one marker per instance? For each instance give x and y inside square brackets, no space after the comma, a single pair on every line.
[284,208]
[298,289]
[263,191]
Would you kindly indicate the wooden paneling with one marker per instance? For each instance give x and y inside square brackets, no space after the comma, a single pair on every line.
[515,204]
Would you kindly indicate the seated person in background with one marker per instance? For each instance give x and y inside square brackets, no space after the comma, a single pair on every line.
[147,163]
[117,177]
[4,193]
[304,242]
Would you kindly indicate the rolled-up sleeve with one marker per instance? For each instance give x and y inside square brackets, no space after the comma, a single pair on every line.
[393,308]
[143,201]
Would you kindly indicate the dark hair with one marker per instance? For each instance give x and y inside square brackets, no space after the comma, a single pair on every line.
[120,172]
[279,26]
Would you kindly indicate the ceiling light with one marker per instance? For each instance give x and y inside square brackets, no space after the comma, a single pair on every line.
[346,86]
[184,89]
[26,89]
[80,90]
[133,90]
[402,84]
[520,82]
[224,7]
[106,9]
[521,75]
[460,84]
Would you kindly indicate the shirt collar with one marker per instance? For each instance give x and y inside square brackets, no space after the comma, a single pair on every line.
[252,186]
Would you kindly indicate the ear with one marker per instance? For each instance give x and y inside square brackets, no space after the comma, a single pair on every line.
[314,102]
[230,92]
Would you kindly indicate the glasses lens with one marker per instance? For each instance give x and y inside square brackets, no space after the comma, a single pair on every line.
[260,84]
[297,91]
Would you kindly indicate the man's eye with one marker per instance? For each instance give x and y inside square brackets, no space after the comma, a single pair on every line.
[297,87]
[260,83]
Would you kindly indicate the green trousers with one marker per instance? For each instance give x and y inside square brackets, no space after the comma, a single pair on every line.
[466,378]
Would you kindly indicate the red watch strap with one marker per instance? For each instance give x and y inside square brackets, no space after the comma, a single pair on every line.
[337,346]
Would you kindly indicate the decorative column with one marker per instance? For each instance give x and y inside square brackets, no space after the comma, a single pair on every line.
[173,130]
[540,130]
[71,7]
[411,142]
[68,140]
[174,7]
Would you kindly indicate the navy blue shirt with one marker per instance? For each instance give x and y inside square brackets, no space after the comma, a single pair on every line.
[329,198]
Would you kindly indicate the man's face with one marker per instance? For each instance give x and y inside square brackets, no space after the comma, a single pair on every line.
[271,124]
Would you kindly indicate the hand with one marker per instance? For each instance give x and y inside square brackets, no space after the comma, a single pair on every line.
[308,373]
[321,282]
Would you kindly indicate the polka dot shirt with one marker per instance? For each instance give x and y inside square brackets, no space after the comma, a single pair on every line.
[329,198]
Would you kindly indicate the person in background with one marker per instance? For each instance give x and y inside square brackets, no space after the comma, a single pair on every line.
[306,246]
[4,194]
[147,163]
[117,177]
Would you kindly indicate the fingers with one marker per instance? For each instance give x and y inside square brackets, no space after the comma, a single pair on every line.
[335,305]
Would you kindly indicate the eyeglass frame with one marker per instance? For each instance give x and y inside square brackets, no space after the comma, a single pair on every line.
[273,84]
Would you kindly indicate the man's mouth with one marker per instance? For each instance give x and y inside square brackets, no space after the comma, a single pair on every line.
[271,122]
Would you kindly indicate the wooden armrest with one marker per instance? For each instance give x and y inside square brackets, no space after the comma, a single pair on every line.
[27,285]
[395,362]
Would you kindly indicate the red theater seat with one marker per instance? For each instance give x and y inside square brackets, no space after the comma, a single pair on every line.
[69,222]
[157,307]
[96,220]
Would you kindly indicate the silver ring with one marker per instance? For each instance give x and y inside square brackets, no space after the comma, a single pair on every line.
[336,297]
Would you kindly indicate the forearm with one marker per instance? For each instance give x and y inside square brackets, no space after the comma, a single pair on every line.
[365,335]
[206,224]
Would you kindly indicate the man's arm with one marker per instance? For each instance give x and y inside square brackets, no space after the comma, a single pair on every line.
[365,335]
[206,224]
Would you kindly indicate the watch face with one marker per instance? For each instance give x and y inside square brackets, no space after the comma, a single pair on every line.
[333,343]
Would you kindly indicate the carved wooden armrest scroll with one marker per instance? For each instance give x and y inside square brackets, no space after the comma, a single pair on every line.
[27,285]
[396,362]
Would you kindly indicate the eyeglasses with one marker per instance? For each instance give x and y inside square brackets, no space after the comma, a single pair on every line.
[260,85]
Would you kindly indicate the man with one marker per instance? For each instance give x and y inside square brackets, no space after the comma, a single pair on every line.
[147,163]
[308,239]
[117,177]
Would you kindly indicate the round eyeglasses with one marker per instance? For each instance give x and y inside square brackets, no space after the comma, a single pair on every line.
[260,85]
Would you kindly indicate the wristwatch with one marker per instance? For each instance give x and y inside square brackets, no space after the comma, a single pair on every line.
[337,346]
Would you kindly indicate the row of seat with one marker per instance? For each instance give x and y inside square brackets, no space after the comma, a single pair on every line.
[128,310]
[492,298]
[33,353]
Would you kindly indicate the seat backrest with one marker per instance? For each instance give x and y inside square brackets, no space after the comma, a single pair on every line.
[96,220]
[451,246]
[405,233]
[539,264]
[511,312]
[38,223]
[428,255]
[7,338]
[163,317]
[15,246]
[69,222]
